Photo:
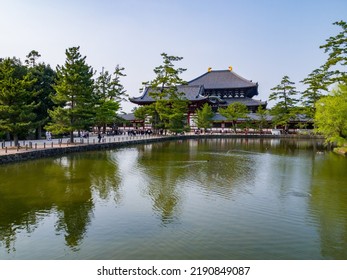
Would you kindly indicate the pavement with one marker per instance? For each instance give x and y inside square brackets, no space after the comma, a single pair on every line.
[7,147]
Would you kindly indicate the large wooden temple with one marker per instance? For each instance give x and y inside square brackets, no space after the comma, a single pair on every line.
[217,87]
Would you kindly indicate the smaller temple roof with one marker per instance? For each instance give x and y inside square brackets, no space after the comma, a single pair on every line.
[218,79]
[252,116]
[245,100]
[192,93]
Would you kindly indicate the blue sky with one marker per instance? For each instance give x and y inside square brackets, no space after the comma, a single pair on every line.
[261,40]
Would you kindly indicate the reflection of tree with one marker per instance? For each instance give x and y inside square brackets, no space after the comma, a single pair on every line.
[105,175]
[162,167]
[329,200]
[170,165]
[32,190]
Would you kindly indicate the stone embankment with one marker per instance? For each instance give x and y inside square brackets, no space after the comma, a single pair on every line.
[47,149]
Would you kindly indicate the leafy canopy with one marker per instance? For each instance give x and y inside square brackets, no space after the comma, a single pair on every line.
[330,118]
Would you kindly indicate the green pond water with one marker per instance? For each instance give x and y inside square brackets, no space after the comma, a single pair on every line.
[191,199]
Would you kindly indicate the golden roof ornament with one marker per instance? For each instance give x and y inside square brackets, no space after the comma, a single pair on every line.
[209,69]
[230,68]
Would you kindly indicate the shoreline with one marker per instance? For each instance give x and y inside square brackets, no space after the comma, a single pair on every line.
[26,154]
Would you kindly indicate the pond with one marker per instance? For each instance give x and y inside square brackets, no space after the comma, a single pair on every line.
[190,199]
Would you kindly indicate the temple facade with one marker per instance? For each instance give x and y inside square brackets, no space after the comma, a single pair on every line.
[218,88]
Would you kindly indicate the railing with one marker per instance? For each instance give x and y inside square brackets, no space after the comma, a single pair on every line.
[30,145]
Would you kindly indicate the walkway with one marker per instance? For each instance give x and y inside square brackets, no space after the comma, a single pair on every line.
[7,147]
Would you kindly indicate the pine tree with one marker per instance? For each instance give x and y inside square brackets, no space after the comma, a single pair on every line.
[75,99]
[170,104]
[336,47]
[316,82]
[44,77]
[16,98]
[109,92]
[284,94]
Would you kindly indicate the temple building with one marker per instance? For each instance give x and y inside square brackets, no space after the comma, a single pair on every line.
[223,87]
[219,88]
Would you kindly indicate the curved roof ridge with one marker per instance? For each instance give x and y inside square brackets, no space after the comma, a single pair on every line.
[242,78]
[222,79]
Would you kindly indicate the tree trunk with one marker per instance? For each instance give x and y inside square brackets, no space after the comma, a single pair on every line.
[15,139]
[38,132]
[234,126]
[71,136]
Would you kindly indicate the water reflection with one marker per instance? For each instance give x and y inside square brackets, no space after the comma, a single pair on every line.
[33,191]
[328,204]
[215,198]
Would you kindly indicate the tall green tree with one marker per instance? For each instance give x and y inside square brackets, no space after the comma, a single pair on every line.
[336,47]
[16,98]
[317,82]
[234,112]
[170,104]
[109,93]
[204,117]
[284,94]
[42,88]
[75,99]
[331,116]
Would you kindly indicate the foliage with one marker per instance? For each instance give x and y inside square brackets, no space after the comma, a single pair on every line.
[234,112]
[74,97]
[204,117]
[336,47]
[262,115]
[317,81]
[109,92]
[16,98]
[170,107]
[44,77]
[330,117]
[284,94]
[167,79]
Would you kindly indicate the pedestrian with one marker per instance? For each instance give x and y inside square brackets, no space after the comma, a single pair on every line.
[99,137]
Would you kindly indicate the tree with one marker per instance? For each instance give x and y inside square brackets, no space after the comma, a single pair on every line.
[316,82]
[170,104]
[44,77]
[16,103]
[204,117]
[336,47]
[75,99]
[284,94]
[32,58]
[330,118]
[234,112]
[109,93]
[262,117]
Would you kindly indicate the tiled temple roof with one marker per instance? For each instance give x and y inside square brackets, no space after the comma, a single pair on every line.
[222,79]
[191,93]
